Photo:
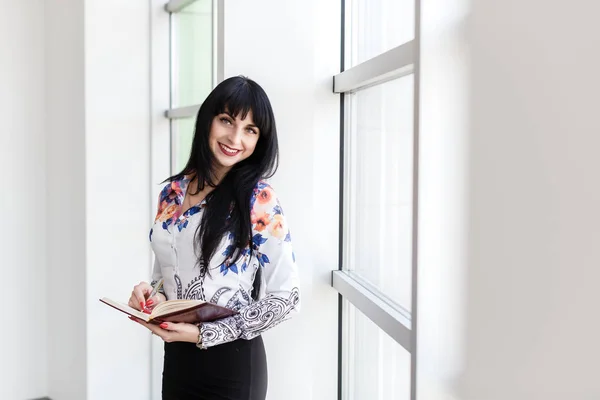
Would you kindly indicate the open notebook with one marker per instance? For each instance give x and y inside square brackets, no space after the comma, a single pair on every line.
[190,311]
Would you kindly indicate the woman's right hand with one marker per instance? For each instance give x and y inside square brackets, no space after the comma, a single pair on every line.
[138,298]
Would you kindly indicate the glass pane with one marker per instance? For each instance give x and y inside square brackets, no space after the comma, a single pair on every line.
[376,26]
[376,366]
[379,172]
[182,133]
[192,59]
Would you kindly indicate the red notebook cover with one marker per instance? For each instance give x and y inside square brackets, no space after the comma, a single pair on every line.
[204,312]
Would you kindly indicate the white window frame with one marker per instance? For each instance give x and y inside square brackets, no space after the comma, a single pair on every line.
[174,6]
[392,319]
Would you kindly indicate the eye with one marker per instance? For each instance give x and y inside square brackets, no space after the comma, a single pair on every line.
[225,120]
[251,130]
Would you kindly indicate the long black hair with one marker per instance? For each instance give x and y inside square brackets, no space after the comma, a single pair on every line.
[228,204]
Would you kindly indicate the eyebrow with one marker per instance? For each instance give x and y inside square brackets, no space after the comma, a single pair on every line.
[248,125]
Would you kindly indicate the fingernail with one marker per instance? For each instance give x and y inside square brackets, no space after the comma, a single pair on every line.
[164,325]
[149,302]
[142,305]
[146,311]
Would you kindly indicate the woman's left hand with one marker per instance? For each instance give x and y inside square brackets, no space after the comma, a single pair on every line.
[171,331]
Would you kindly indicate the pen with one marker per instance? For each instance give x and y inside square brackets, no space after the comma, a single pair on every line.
[156,288]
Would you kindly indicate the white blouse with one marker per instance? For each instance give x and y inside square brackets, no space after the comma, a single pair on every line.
[228,284]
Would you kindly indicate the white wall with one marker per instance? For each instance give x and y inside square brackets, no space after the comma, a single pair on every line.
[23,201]
[292,50]
[66,213]
[508,279]
[97,102]
[443,207]
[117,164]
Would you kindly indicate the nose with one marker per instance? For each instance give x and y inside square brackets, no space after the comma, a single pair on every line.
[235,136]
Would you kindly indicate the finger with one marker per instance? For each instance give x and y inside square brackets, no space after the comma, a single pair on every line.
[155,300]
[145,324]
[152,301]
[168,326]
[178,328]
[133,302]
[139,292]
[157,330]
[152,327]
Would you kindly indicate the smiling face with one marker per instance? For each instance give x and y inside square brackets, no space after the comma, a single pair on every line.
[232,139]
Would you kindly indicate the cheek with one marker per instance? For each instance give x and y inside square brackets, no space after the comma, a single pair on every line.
[250,145]
[212,136]
[216,132]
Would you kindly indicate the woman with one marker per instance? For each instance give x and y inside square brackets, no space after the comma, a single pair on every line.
[220,236]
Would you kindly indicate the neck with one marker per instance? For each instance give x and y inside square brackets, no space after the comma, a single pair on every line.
[220,173]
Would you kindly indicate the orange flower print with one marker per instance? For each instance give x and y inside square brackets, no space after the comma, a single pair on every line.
[265,195]
[277,226]
[176,190]
[161,208]
[168,213]
[260,221]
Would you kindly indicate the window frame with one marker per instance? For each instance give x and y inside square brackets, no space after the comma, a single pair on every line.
[191,110]
[396,322]
[174,6]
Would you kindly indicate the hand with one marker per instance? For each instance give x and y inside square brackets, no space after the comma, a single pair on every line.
[171,331]
[138,297]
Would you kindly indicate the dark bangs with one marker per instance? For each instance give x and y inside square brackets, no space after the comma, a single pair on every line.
[242,96]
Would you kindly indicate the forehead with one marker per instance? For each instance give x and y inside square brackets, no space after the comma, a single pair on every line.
[241,116]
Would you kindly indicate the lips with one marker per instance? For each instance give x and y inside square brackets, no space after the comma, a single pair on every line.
[228,151]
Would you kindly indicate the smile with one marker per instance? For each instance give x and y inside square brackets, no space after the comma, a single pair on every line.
[228,151]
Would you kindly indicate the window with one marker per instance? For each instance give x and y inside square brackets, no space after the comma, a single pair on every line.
[182,133]
[376,366]
[376,27]
[192,53]
[376,278]
[196,67]
[379,180]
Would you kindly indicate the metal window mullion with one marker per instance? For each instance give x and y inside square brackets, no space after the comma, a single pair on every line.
[415,213]
[174,6]
[392,64]
[218,41]
[349,187]
[349,336]
[397,325]
[182,112]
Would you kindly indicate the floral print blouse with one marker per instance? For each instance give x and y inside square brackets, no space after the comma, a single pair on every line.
[228,284]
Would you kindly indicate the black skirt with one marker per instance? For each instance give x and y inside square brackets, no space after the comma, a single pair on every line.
[230,371]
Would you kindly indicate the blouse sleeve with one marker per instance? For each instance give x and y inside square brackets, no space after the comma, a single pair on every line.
[279,296]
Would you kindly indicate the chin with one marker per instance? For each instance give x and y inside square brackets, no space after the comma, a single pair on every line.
[227,163]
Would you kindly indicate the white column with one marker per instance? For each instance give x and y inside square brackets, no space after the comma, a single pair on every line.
[66,192]
[117,131]
[98,118]
[23,199]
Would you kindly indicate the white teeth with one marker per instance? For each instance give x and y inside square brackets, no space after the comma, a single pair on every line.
[228,150]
